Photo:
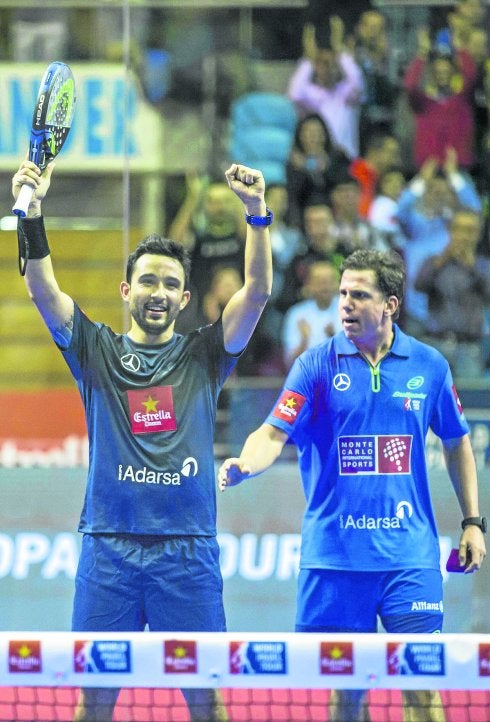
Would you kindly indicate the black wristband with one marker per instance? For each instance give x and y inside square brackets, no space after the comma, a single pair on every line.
[478,521]
[32,241]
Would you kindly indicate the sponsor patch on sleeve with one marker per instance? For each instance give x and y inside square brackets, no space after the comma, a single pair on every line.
[456,398]
[289,406]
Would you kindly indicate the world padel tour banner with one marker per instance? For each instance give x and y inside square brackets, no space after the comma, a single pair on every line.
[113,122]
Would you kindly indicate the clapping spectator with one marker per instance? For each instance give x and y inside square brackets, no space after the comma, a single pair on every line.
[478,48]
[328,81]
[457,284]
[316,318]
[425,210]
[440,89]
[312,167]
[381,87]
[465,16]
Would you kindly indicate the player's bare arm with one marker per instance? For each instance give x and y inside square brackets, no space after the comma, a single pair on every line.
[55,306]
[461,468]
[245,308]
[261,449]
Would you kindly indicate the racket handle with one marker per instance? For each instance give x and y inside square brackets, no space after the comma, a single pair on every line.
[22,203]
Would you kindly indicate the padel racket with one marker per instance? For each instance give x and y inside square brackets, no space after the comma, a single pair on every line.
[51,121]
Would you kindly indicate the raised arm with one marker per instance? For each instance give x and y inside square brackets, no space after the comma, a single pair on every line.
[461,467]
[262,447]
[55,307]
[245,307]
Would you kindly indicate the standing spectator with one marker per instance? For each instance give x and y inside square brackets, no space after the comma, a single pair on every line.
[457,284]
[478,48]
[425,210]
[465,16]
[440,92]
[382,152]
[311,321]
[328,81]
[381,87]
[312,166]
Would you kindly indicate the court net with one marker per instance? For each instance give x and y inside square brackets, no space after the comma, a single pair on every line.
[262,677]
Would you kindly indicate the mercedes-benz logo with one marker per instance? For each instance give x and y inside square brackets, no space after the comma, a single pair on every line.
[131,362]
[341,382]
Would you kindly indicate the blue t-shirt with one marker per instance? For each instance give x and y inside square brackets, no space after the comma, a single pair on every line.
[150,413]
[360,433]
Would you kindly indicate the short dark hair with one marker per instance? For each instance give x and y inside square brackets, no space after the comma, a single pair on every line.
[160,246]
[388,267]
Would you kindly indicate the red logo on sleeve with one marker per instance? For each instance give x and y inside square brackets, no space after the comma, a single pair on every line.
[456,398]
[289,406]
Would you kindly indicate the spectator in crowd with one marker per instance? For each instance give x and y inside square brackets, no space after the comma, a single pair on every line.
[286,238]
[457,284]
[312,167]
[213,230]
[382,212]
[463,17]
[350,230]
[321,245]
[382,152]
[264,352]
[312,320]
[478,48]
[440,88]
[225,282]
[381,87]
[425,209]
[328,81]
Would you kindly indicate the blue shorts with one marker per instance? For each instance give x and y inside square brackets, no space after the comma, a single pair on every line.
[342,601]
[171,584]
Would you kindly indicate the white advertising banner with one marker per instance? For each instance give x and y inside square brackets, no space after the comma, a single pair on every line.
[113,123]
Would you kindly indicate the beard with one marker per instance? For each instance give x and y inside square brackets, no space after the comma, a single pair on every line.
[153,327]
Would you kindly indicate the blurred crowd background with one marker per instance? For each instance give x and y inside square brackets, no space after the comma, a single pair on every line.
[369,121]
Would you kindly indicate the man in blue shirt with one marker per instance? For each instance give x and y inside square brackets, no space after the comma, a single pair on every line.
[358,407]
[149,552]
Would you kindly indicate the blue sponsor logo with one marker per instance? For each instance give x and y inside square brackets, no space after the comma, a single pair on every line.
[258,658]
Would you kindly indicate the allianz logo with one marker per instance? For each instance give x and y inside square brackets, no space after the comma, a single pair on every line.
[404,510]
[144,475]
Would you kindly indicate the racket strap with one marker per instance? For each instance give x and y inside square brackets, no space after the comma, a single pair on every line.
[33,243]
